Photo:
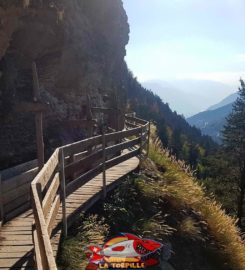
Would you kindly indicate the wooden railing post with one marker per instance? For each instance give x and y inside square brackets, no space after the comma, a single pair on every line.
[149,135]
[71,160]
[1,202]
[104,162]
[134,116]
[63,189]
[89,119]
[42,245]
[39,192]
[141,146]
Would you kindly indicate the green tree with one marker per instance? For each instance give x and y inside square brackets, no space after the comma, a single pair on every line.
[176,143]
[234,143]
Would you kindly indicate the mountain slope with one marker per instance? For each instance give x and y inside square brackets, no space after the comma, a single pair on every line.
[211,122]
[230,99]
[185,141]
[189,97]
[177,99]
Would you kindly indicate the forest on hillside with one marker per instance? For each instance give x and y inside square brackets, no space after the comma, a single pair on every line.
[216,166]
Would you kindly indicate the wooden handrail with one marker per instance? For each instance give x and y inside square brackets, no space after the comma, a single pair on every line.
[50,187]
[44,244]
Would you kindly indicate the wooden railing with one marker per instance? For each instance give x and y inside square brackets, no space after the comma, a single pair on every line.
[15,189]
[72,166]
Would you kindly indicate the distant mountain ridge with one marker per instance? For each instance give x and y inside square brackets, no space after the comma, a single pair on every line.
[230,99]
[186,142]
[211,122]
[189,97]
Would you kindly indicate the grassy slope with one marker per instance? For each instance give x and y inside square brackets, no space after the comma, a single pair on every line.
[186,190]
[166,203]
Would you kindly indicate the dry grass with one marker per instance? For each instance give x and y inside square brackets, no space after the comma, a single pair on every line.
[156,227]
[190,229]
[180,184]
[91,231]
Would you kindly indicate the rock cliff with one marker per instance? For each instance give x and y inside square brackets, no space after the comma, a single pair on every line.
[78,47]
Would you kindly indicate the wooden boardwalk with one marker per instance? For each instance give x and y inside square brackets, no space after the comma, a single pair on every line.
[74,178]
[16,241]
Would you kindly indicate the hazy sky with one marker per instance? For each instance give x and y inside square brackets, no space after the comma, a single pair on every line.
[187,39]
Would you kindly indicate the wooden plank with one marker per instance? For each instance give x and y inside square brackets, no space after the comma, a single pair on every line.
[72,160]
[104,165]
[50,195]
[81,146]
[71,187]
[47,171]
[19,219]
[75,157]
[19,169]
[38,259]
[19,255]
[13,233]
[19,268]
[14,223]
[130,125]
[83,164]
[53,214]
[122,134]
[26,214]
[1,203]
[132,114]
[19,180]
[15,249]
[9,262]
[27,219]
[16,193]
[122,158]
[17,211]
[63,190]
[121,146]
[136,119]
[16,203]
[46,251]
[80,200]
[17,237]
[18,242]
[16,229]
[83,192]
[79,156]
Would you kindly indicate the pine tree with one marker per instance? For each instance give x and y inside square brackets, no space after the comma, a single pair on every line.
[234,143]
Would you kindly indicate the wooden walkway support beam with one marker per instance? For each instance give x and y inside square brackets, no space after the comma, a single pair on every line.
[149,136]
[63,190]
[104,162]
[1,202]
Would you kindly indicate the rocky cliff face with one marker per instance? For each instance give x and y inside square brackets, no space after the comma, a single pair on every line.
[78,47]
